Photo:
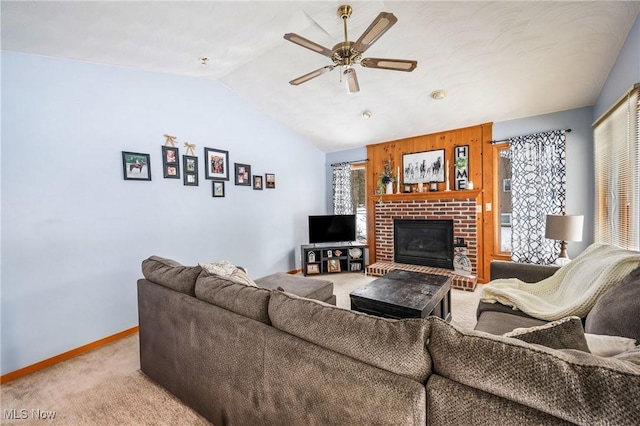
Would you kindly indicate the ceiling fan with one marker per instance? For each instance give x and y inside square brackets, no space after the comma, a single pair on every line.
[347,53]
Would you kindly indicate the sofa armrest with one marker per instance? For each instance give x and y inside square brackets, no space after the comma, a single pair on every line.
[527,272]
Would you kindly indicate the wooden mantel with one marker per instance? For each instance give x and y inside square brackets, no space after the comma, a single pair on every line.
[434,195]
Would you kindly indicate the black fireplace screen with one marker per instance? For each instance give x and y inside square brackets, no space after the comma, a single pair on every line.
[423,242]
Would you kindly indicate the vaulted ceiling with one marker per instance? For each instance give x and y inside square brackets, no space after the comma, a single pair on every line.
[496,60]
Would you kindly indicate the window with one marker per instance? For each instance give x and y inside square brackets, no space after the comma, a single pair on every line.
[617,173]
[349,194]
[504,198]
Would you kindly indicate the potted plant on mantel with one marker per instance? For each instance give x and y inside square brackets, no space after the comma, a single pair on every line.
[386,179]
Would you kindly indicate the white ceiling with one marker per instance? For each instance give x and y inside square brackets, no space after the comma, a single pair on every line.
[496,60]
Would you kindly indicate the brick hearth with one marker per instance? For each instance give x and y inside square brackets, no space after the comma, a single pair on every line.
[461,210]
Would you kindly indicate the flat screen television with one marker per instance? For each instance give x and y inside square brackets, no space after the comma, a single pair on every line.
[332,228]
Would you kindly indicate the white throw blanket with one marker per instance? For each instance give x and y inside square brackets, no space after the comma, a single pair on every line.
[572,290]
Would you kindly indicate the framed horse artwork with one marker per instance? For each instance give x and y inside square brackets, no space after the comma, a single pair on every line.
[135,166]
[423,167]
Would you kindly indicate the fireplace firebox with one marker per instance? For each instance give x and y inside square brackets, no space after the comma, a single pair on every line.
[423,242]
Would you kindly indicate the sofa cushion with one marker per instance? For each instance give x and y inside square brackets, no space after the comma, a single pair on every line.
[496,322]
[397,346]
[617,312]
[603,345]
[566,333]
[576,386]
[311,288]
[226,269]
[171,274]
[243,299]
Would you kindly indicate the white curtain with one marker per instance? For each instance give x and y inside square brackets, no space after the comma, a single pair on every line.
[538,188]
[342,202]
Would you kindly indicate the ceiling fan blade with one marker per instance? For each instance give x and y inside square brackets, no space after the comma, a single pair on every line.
[312,74]
[379,26]
[390,64]
[301,41]
[352,80]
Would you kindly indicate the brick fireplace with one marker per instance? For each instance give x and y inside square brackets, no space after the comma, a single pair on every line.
[461,210]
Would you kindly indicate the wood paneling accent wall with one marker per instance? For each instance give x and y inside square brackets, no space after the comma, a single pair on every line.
[477,137]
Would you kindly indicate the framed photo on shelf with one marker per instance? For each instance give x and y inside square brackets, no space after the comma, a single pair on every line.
[313,269]
[243,174]
[216,164]
[257,182]
[217,188]
[270,180]
[170,162]
[333,265]
[421,167]
[190,174]
[135,166]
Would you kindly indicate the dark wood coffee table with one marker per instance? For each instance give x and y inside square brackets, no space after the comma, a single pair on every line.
[405,294]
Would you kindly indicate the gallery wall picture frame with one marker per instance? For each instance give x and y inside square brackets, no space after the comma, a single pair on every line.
[216,164]
[170,162]
[135,166]
[243,174]
[506,185]
[217,187]
[190,170]
[257,182]
[270,180]
[421,167]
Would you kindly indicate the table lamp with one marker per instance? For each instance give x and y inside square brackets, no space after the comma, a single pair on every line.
[564,228]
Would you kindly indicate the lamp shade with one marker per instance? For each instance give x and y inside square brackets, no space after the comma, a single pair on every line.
[564,227]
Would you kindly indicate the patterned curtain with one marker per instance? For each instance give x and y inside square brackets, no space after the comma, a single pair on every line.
[538,188]
[342,203]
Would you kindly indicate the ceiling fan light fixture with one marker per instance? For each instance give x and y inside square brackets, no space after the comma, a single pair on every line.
[352,80]
[438,94]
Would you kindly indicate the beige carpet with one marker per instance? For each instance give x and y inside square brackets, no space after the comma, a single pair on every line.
[105,386]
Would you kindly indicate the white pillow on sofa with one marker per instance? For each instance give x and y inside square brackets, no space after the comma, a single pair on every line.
[603,345]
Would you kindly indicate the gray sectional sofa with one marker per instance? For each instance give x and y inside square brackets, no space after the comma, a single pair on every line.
[246,355]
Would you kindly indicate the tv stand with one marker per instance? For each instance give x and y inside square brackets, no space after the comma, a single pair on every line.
[334,257]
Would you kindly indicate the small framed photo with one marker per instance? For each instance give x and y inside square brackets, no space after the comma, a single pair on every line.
[313,269]
[216,163]
[170,163]
[506,185]
[243,174]
[218,188]
[270,180]
[257,182]
[333,265]
[190,174]
[135,166]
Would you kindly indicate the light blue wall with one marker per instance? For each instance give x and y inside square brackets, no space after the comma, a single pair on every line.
[624,73]
[580,172]
[74,232]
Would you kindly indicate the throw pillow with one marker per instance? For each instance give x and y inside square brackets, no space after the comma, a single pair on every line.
[565,333]
[603,345]
[617,312]
[226,269]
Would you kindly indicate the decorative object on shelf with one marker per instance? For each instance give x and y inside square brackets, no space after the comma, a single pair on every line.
[270,180]
[243,174]
[333,265]
[171,140]
[313,269]
[355,253]
[469,185]
[461,263]
[461,164]
[170,163]
[257,182]
[427,166]
[135,166]
[407,189]
[564,228]
[329,253]
[218,188]
[386,179]
[216,164]
[446,177]
[191,149]
[433,186]
[311,256]
[190,174]
[337,252]
[355,267]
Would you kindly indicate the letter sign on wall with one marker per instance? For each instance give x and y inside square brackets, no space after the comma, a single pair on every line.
[461,168]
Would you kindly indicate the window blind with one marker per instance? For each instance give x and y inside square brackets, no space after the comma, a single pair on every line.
[617,173]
